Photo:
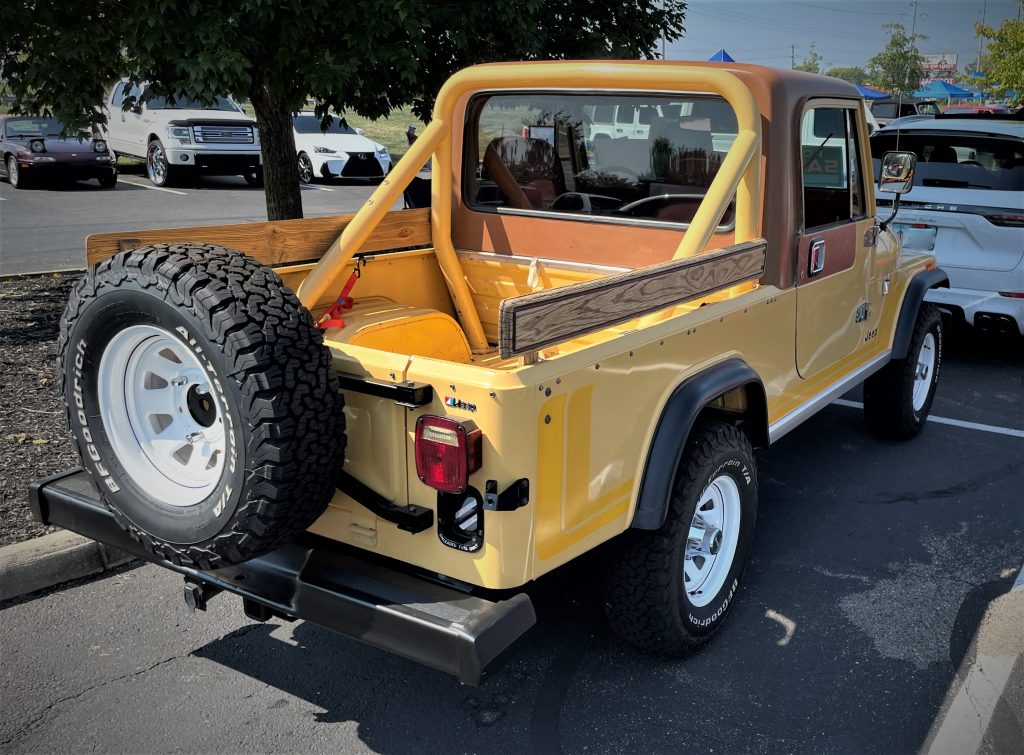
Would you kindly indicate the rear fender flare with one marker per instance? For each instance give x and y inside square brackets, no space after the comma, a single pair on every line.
[680,412]
[916,289]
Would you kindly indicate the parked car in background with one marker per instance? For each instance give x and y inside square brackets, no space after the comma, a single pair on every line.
[34,152]
[337,151]
[967,208]
[179,138]
[976,110]
[886,111]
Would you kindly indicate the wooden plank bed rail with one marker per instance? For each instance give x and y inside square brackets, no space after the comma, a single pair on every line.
[278,242]
[532,322]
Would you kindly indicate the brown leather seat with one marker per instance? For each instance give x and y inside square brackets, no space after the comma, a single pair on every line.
[531,163]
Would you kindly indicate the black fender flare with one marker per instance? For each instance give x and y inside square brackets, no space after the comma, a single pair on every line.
[916,289]
[685,403]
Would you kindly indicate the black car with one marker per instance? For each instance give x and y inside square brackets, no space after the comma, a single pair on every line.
[34,151]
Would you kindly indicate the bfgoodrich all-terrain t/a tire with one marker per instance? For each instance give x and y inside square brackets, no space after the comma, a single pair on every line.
[201,399]
[670,590]
[898,398]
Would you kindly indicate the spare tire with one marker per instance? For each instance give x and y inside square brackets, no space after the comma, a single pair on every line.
[201,399]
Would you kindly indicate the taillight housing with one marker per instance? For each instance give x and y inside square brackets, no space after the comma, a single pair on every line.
[1006,219]
[447,453]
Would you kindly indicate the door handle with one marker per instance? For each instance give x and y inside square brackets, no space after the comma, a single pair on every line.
[816,257]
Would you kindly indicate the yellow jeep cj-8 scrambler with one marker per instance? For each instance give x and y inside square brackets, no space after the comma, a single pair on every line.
[378,422]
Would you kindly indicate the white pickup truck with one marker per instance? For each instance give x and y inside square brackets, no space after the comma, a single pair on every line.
[183,137]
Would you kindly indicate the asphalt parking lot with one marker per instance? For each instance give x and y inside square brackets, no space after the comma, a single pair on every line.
[872,566]
[45,228]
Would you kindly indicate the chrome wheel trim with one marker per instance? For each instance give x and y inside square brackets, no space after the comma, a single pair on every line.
[712,540]
[156,163]
[924,370]
[13,171]
[164,423]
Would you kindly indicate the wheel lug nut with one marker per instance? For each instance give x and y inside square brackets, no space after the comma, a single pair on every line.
[180,380]
[202,389]
[193,438]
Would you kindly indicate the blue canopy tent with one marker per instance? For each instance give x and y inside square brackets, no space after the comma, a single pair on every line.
[871,94]
[937,90]
[721,57]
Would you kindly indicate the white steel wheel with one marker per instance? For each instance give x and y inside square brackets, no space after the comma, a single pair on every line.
[711,541]
[161,417]
[923,372]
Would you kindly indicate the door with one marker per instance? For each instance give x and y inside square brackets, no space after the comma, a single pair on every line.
[836,244]
[133,138]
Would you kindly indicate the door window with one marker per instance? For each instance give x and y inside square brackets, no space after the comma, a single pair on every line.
[833,188]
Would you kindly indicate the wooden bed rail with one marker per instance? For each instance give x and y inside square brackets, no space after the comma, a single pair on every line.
[532,322]
[278,242]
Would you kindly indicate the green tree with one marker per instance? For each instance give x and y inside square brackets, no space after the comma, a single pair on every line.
[852,74]
[368,56]
[812,63]
[1003,66]
[899,68]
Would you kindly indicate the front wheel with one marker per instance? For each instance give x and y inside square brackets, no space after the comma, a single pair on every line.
[670,590]
[108,181]
[158,169]
[898,398]
[14,174]
[305,168]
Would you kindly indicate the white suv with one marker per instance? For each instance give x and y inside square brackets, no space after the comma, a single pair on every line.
[967,208]
[183,136]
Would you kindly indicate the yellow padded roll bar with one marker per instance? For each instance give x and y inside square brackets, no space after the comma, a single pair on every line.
[740,171]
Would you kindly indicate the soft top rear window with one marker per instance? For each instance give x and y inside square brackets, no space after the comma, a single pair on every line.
[957,160]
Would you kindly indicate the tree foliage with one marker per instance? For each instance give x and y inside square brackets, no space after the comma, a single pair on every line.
[1003,67]
[852,74]
[813,63]
[899,68]
[367,56]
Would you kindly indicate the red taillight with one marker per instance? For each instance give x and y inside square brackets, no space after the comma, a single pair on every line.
[1012,294]
[447,453]
[1007,220]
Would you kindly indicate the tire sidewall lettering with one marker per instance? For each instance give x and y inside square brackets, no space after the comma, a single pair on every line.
[705,619]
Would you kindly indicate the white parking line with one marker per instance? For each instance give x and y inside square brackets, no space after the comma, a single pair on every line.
[318,188]
[154,188]
[947,421]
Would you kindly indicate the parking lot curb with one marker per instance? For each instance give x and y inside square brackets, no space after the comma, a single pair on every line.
[41,273]
[983,710]
[52,560]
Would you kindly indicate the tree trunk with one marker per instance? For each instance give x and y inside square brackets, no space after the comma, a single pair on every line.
[280,174]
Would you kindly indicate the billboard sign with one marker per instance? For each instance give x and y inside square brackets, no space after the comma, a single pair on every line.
[942,63]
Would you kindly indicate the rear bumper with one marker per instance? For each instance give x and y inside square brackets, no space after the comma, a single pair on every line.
[312,579]
[980,307]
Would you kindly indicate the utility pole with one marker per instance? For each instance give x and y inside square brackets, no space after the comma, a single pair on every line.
[792,56]
[981,40]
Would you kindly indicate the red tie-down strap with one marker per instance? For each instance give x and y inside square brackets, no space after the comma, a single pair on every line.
[332,318]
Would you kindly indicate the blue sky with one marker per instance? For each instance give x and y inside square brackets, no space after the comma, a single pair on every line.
[845,33]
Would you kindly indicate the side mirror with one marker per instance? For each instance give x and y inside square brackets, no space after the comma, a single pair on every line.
[897,173]
[896,177]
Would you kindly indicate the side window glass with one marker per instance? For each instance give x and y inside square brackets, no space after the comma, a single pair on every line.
[825,164]
[115,98]
[858,208]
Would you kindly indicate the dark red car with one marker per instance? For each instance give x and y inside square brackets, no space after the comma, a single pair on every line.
[34,152]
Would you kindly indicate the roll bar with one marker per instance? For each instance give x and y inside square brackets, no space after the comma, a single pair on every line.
[740,173]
